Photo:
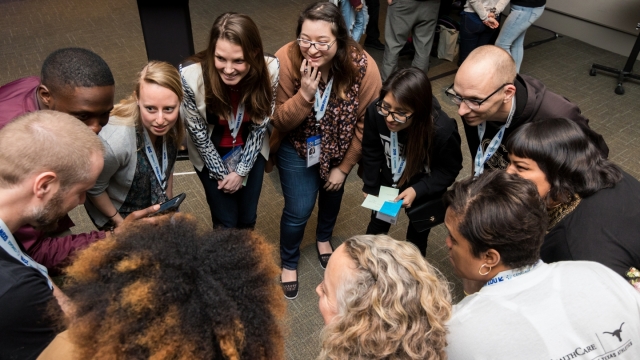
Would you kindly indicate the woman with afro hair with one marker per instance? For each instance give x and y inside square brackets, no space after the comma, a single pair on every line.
[167,289]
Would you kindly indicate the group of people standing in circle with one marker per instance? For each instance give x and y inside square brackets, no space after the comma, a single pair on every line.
[314,110]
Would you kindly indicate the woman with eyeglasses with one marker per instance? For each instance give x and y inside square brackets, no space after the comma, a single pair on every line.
[326,82]
[229,97]
[426,142]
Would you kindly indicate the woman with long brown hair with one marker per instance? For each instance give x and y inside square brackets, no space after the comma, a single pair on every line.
[408,121]
[326,82]
[229,98]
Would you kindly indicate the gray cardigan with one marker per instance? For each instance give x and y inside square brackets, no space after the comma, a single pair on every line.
[120,159]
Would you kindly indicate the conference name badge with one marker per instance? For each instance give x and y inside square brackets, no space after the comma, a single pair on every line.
[313,150]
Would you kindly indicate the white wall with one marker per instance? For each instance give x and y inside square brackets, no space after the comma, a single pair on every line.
[607,24]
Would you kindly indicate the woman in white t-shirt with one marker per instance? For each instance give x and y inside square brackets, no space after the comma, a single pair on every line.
[526,309]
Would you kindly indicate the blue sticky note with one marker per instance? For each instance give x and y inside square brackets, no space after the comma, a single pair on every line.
[391,208]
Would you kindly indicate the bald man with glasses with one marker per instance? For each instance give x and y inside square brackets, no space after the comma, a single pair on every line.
[493,100]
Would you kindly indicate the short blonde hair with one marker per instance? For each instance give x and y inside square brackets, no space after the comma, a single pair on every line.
[47,141]
[159,73]
[392,305]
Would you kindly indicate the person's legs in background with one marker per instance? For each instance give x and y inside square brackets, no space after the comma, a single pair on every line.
[348,14]
[361,20]
[471,30]
[373,30]
[424,32]
[513,31]
[401,15]
[248,196]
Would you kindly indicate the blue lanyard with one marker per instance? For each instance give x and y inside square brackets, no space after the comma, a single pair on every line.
[398,163]
[507,275]
[234,125]
[321,102]
[153,160]
[482,157]
[8,243]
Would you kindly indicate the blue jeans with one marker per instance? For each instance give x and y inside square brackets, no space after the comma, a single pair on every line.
[356,21]
[300,187]
[511,36]
[473,34]
[237,210]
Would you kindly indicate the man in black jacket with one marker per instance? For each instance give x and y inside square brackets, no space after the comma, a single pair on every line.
[494,100]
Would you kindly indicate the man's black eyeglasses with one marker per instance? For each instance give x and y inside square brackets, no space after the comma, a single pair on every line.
[473,104]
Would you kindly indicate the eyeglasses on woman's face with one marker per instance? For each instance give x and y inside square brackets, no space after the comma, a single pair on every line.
[397,116]
[320,46]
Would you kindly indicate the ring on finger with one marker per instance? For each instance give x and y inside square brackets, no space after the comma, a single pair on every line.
[306,70]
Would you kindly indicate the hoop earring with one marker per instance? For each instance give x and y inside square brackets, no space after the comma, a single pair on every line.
[488,271]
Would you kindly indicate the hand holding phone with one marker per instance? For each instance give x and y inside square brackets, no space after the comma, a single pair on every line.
[170,205]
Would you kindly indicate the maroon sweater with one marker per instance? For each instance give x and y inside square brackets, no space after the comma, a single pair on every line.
[16,98]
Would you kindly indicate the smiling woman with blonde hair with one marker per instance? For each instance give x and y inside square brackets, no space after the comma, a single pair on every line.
[141,142]
[380,299]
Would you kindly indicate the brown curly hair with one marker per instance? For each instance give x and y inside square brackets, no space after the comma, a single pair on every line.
[393,305]
[171,290]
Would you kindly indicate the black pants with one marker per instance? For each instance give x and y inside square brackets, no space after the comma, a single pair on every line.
[419,239]
[373,31]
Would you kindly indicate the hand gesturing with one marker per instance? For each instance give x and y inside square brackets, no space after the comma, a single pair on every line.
[309,79]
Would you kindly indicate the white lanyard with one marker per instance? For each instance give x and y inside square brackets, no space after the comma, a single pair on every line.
[320,105]
[398,163]
[234,126]
[507,275]
[153,160]
[481,157]
[9,244]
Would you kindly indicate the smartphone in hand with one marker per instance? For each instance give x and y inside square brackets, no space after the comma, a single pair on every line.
[170,205]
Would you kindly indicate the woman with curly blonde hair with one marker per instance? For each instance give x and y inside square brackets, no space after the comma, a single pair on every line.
[380,299]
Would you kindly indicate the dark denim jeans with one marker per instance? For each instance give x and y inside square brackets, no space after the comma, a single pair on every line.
[473,34]
[300,187]
[419,239]
[237,210]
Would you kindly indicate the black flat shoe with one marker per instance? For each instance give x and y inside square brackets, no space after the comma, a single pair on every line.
[290,288]
[324,258]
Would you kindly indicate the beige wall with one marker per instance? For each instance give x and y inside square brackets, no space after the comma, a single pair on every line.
[607,24]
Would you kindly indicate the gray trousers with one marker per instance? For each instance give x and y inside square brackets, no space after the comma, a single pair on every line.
[404,18]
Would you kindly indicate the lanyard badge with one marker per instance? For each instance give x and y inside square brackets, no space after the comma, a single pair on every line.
[321,101]
[153,159]
[235,122]
[398,163]
[8,243]
[320,107]
[483,156]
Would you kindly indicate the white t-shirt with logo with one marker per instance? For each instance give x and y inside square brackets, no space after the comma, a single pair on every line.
[571,310]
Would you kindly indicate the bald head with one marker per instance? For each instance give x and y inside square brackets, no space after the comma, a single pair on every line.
[489,62]
[47,141]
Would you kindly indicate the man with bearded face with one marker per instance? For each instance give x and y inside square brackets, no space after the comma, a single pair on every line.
[39,184]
